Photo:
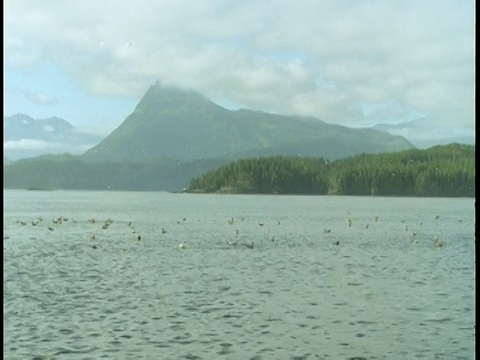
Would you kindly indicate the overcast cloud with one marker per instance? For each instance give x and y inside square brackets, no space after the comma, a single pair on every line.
[347,62]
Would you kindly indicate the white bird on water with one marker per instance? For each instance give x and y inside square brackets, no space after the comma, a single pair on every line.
[181,246]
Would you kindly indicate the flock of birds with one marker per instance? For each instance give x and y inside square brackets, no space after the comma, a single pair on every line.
[436,241]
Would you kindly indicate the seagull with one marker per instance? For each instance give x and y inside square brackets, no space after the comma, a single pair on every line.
[230,221]
[181,246]
[437,242]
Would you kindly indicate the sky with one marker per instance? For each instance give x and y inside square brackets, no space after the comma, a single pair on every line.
[355,63]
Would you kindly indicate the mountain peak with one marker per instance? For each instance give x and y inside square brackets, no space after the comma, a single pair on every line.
[170,122]
[161,97]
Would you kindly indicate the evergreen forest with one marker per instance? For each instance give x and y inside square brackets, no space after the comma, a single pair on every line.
[440,171]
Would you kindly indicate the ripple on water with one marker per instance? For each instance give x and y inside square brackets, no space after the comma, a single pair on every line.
[300,295]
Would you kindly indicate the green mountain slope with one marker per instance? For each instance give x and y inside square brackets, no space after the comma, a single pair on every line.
[184,125]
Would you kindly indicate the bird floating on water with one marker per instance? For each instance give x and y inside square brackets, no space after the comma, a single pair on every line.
[181,246]
[437,242]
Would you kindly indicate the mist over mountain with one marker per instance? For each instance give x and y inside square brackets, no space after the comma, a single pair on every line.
[170,122]
[424,133]
[26,137]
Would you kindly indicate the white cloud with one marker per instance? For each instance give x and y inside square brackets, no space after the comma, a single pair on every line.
[29,144]
[39,98]
[44,146]
[320,58]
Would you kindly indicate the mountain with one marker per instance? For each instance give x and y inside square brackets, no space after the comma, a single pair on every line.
[174,135]
[27,137]
[425,133]
[6,161]
[181,124]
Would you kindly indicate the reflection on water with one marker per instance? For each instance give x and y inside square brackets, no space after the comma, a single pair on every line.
[398,283]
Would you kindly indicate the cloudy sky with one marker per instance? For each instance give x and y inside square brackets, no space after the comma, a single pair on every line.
[355,63]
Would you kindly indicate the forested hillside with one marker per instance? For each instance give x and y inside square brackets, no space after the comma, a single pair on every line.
[447,170]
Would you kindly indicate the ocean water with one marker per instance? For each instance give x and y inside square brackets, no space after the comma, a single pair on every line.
[327,277]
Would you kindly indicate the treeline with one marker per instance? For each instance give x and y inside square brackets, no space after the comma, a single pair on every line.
[71,172]
[443,171]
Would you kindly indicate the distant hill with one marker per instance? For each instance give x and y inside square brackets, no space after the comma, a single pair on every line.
[26,137]
[425,133]
[180,124]
[174,135]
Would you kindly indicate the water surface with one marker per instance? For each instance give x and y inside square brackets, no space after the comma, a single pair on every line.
[394,282]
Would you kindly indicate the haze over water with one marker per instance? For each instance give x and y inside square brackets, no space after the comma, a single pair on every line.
[312,287]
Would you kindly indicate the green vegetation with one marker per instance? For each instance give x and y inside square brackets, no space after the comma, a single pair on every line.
[184,125]
[447,170]
[73,173]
